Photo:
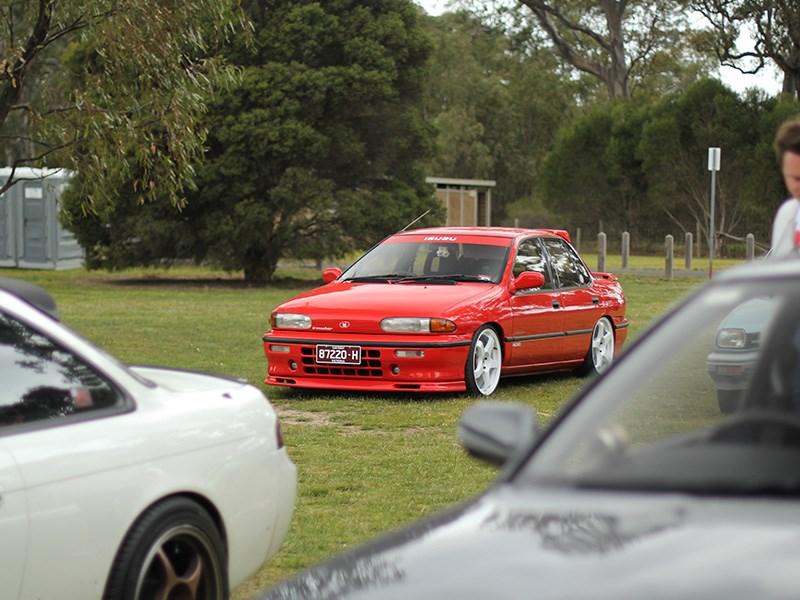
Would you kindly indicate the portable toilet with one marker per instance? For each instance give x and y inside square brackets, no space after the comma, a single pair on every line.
[31,235]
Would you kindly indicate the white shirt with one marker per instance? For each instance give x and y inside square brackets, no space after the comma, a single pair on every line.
[784,226]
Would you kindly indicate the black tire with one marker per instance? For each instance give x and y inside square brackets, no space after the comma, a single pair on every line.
[728,400]
[174,546]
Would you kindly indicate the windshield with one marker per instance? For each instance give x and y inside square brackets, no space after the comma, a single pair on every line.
[708,402]
[410,261]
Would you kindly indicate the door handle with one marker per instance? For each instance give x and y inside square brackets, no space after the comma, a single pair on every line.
[556,304]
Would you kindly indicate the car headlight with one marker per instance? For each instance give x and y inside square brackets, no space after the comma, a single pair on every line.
[289,321]
[731,338]
[417,325]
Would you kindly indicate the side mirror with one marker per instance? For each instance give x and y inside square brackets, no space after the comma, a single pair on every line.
[496,431]
[331,274]
[527,280]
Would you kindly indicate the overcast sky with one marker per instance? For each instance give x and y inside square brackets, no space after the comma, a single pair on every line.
[769,82]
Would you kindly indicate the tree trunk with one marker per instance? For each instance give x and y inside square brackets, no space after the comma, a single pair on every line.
[611,67]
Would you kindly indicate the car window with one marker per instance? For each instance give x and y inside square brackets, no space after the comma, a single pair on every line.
[570,270]
[423,259]
[531,257]
[437,259]
[482,261]
[43,381]
[709,402]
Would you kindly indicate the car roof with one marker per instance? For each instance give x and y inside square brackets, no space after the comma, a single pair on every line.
[32,294]
[503,232]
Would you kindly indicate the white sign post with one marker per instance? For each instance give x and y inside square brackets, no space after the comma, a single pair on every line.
[713,166]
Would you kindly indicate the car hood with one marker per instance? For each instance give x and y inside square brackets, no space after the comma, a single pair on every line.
[751,315]
[367,303]
[175,380]
[513,543]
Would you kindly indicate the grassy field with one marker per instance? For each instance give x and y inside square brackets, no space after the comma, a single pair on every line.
[366,463]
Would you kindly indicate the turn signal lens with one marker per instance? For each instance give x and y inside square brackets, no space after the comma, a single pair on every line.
[442,326]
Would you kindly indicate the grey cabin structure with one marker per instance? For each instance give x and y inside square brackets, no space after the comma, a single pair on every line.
[31,235]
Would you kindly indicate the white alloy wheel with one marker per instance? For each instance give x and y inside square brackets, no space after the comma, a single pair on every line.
[602,348]
[484,362]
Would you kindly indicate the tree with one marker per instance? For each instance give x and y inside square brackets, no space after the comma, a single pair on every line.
[610,40]
[674,148]
[313,152]
[642,167]
[774,26]
[318,150]
[593,175]
[111,89]
[496,100]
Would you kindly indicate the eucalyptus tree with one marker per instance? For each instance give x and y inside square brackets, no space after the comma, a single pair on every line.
[615,42]
[640,166]
[497,100]
[592,178]
[773,27]
[112,89]
[313,151]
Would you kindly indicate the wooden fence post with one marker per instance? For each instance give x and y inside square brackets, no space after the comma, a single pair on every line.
[750,251]
[669,246]
[626,248]
[689,250]
[601,251]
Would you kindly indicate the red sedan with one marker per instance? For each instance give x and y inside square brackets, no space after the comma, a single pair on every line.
[447,310]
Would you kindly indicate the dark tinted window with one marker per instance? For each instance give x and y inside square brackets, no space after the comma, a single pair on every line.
[569,269]
[43,381]
[531,257]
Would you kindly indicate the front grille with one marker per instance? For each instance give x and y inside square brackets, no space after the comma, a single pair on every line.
[370,365]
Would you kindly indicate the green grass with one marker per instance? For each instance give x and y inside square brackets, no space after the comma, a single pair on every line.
[366,463]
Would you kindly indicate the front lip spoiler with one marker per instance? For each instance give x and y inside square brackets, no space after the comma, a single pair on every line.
[303,341]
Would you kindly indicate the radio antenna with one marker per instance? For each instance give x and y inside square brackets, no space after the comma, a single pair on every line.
[415,220]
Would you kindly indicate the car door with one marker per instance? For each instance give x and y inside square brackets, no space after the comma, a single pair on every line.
[13,524]
[579,304]
[537,335]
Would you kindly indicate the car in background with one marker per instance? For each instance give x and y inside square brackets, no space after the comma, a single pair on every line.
[639,488]
[128,481]
[735,349]
[447,310]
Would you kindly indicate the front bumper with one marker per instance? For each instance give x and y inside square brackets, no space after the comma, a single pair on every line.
[412,363]
[731,370]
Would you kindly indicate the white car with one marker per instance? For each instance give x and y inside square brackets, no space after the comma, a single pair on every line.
[128,482]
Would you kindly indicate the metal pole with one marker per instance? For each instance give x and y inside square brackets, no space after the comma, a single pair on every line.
[711,226]
[713,166]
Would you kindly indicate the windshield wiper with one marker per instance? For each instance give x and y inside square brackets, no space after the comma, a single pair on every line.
[406,278]
[460,277]
[378,278]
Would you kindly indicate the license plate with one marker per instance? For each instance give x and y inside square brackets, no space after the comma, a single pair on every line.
[338,355]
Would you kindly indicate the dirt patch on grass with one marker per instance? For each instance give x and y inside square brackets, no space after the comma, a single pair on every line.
[292,416]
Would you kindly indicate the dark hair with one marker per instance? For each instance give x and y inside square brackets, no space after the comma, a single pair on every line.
[787,139]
